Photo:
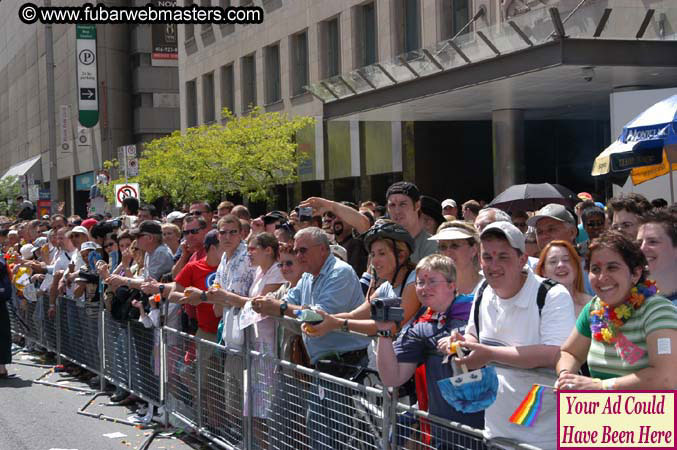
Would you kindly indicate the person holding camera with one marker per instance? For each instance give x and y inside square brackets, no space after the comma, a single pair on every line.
[331,285]
[390,246]
[397,359]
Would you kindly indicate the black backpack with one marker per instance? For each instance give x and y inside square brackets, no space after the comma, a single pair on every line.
[543,289]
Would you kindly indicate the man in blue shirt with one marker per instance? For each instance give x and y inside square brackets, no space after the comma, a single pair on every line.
[331,285]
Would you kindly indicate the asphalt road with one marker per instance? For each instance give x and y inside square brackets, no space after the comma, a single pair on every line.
[38,417]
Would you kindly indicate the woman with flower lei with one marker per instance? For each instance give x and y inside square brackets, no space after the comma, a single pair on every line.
[627,332]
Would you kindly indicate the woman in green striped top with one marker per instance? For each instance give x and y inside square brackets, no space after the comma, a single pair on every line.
[626,332]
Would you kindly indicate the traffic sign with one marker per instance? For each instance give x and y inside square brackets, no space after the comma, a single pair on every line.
[122,191]
[132,167]
[88,100]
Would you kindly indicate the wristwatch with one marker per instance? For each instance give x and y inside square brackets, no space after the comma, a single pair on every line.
[283,308]
[161,289]
[344,326]
[385,333]
[203,296]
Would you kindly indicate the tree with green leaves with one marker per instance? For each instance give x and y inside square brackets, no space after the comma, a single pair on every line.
[247,155]
[10,187]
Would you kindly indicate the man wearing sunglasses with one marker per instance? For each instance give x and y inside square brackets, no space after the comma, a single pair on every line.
[194,280]
[330,285]
[195,228]
[235,274]
[201,209]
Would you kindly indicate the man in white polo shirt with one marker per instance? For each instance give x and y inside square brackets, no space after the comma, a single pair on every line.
[517,330]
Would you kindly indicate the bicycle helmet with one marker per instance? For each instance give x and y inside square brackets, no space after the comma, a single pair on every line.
[387,229]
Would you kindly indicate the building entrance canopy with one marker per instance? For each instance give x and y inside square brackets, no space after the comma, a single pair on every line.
[29,166]
[558,61]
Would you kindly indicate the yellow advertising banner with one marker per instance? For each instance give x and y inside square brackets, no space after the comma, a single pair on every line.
[616,419]
[646,173]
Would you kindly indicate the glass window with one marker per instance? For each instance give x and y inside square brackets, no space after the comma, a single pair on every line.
[191,104]
[272,71]
[299,66]
[248,82]
[227,88]
[412,39]
[368,25]
[208,97]
[333,50]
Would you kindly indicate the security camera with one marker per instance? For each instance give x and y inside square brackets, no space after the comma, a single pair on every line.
[588,73]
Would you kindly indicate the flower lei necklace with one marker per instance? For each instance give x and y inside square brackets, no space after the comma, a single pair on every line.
[605,321]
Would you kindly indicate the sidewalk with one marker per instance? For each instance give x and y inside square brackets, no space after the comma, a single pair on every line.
[35,416]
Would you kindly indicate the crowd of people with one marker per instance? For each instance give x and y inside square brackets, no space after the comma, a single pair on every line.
[581,298]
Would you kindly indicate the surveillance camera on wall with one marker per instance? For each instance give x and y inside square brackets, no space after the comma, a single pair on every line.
[588,73]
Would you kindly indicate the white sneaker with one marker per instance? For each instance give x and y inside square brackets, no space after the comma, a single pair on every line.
[160,416]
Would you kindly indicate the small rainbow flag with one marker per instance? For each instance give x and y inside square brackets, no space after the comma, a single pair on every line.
[529,408]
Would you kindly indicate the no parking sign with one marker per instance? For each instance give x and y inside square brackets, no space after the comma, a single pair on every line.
[122,191]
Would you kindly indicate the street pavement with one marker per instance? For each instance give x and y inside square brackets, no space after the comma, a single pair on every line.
[38,417]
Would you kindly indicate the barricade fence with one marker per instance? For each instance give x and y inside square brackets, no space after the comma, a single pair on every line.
[237,397]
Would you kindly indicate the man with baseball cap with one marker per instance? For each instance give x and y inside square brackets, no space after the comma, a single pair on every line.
[403,200]
[176,218]
[449,209]
[158,260]
[553,222]
[518,319]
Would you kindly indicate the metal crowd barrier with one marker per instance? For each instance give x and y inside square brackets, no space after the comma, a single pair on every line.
[237,398]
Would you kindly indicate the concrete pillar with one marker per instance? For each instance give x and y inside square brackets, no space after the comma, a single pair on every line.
[507,132]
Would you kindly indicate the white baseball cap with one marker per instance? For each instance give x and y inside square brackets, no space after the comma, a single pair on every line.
[514,236]
[175,215]
[449,202]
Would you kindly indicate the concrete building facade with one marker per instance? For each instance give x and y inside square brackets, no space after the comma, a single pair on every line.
[464,97]
[137,100]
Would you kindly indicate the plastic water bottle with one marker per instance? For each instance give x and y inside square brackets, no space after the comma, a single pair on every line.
[308,316]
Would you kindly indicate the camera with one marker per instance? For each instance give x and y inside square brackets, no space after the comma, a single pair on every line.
[114,223]
[387,310]
[305,214]
[88,277]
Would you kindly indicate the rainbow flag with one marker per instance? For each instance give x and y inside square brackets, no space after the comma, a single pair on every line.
[529,408]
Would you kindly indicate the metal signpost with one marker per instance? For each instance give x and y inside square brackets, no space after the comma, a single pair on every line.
[88,99]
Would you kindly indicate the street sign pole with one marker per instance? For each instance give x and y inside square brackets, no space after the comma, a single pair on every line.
[51,115]
[88,98]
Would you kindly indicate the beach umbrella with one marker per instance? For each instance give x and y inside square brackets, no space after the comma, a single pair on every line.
[647,145]
[531,197]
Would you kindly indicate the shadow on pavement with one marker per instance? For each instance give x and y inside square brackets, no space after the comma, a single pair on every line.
[15,382]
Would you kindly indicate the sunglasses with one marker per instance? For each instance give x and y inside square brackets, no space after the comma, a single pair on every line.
[198,213]
[194,231]
[108,245]
[283,264]
[231,232]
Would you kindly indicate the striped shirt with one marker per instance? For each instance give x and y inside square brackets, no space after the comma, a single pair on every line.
[604,360]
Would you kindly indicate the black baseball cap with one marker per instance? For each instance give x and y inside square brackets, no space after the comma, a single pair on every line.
[147,226]
[432,207]
[404,188]
[274,216]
